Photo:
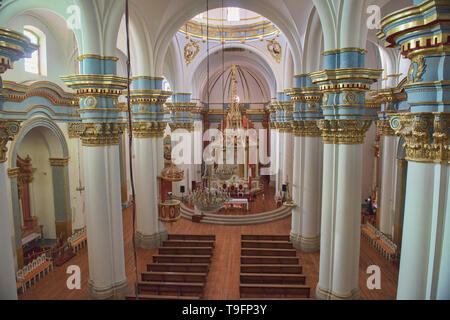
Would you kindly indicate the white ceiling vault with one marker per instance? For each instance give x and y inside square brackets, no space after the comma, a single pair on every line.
[307,28]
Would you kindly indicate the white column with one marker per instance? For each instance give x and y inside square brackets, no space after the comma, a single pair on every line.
[288,158]
[104,222]
[387,191]
[279,160]
[150,232]
[340,231]
[307,188]
[273,158]
[425,257]
[8,289]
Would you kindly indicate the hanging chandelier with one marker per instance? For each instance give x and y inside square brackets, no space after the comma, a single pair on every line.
[224,172]
[204,198]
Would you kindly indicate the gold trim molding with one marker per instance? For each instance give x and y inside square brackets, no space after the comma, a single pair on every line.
[13,173]
[346,131]
[97,133]
[59,162]
[306,128]
[148,129]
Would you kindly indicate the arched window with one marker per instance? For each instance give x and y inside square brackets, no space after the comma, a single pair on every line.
[233,14]
[37,63]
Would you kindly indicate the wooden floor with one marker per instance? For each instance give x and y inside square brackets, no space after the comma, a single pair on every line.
[223,279]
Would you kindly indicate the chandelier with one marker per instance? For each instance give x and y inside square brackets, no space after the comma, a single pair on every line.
[204,198]
[224,172]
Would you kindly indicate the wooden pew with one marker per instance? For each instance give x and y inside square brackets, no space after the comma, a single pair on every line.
[174,277]
[265,237]
[266,244]
[185,251]
[171,288]
[159,297]
[270,290]
[269,260]
[268,252]
[178,267]
[271,268]
[181,259]
[189,243]
[204,237]
[272,278]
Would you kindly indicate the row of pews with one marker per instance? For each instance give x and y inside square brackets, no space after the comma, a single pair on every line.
[270,269]
[179,271]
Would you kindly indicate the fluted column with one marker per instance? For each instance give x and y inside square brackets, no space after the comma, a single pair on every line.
[307,183]
[149,124]
[346,120]
[100,132]
[422,34]
[13,47]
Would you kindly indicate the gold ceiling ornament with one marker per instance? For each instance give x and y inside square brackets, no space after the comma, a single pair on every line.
[8,130]
[384,128]
[94,134]
[344,131]
[426,135]
[306,128]
[148,129]
[275,49]
[418,61]
[191,49]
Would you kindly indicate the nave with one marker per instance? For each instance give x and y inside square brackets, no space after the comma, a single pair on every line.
[223,278]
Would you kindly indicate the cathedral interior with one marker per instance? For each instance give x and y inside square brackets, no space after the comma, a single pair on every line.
[224,150]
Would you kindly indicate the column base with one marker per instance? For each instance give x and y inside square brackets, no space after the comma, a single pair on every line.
[325,294]
[150,241]
[116,291]
[305,244]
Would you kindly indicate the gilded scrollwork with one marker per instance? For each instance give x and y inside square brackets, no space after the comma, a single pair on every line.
[98,133]
[348,131]
[191,49]
[426,135]
[8,129]
[306,128]
[148,129]
[275,49]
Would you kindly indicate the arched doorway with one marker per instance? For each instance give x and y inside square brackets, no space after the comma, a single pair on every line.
[39,187]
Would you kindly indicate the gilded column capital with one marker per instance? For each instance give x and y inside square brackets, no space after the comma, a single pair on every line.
[306,128]
[348,131]
[13,173]
[384,128]
[189,126]
[59,162]
[426,135]
[148,129]
[8,130]
[98,133]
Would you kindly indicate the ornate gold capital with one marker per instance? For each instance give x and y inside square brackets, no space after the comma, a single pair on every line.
[148,129]
[348,131]
[59,162]
[306,128]
[285,126]
[99,133]
[189,126]
[8,129]
[426,135]
[13,173]
[384,128]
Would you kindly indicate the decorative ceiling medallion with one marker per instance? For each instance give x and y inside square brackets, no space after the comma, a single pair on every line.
[191,49]
[275,49]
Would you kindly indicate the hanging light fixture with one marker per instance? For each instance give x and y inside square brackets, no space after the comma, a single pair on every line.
[205,198]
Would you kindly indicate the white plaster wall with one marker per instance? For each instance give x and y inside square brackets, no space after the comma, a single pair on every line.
[61,47]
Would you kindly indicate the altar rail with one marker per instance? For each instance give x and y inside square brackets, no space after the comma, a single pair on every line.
[78,240]
[380,241]
[32,271]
